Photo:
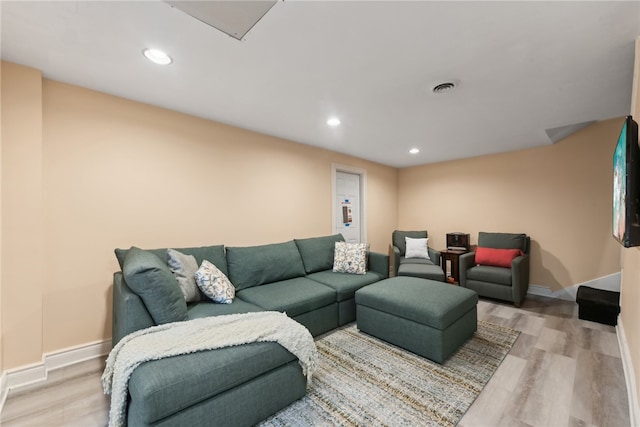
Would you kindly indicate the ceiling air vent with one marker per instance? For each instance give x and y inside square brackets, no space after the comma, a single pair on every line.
[443,87]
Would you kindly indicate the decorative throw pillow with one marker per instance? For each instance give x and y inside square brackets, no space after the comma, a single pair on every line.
[496,257]
[214,284]
[416,248]
[184,267]
[350,258]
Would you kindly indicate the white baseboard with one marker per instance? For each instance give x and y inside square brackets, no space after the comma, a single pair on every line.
[25,375]
[4,390]
[78,354]
[38,372]
[629,375]
[609,283]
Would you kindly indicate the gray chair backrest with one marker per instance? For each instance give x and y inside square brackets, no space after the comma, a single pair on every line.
[504,241]
[398,236]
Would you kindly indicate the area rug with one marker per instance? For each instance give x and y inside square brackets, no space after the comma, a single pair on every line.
[362,381]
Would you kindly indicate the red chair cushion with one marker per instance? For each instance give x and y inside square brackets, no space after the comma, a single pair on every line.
[496,257]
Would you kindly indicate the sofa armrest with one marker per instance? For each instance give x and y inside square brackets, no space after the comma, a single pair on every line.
[434,255]
[129,312]
[379,263]
[520,278]
[395,261]
[465,261]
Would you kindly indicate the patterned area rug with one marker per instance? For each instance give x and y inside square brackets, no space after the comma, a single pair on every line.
[364,381]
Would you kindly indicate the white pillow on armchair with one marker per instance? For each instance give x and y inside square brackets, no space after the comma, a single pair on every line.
[416,248]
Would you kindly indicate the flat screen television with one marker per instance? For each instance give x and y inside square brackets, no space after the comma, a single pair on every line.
[626,188]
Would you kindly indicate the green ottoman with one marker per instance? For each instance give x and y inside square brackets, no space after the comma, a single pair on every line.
[426,317]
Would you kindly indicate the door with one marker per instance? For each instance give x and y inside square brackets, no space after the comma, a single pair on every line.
[347,219]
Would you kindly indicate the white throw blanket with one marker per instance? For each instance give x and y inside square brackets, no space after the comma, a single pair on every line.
[209,333]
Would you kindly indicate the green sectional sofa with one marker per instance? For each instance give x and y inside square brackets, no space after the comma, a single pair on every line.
[295,277]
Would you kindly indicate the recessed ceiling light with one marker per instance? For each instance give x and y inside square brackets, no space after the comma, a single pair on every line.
[157,56]
[333,121]
[414,151]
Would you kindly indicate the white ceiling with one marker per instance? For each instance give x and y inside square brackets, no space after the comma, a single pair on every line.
[522,67]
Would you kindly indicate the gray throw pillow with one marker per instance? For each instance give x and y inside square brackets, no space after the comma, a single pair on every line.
[150,278]
[184,267]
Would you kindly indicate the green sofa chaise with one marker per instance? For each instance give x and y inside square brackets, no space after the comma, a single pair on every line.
[232,386]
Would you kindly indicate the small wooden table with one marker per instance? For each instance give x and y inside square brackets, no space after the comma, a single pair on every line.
[451,256]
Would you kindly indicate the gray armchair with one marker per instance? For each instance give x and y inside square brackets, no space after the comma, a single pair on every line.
[416,267]
[508,284]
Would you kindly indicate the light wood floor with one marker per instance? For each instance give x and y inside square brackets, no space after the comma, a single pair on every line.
[562,371]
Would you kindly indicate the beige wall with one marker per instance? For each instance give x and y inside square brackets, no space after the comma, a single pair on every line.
[116,173]
[630,287]
[560,195]
[21,230]
[1,127]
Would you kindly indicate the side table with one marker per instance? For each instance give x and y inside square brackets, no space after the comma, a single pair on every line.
[451,256]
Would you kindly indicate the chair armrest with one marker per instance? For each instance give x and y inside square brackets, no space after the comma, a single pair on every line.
[434,255]
[379,263]
[395,259]
[520,278]
[465,261]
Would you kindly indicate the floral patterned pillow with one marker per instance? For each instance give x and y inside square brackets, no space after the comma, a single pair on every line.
[214,284]
[350,258]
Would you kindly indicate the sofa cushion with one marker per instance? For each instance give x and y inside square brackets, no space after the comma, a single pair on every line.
[208,308]
[426,302]
[317,252]
[184,268]
[420,267]
[404,260]
[486,273]
[350,258]
[424,270]
[344,284]
[152,280]
[166,386]
[257,265]
[214,284]
[213,254]
[293,296]
[503,241]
